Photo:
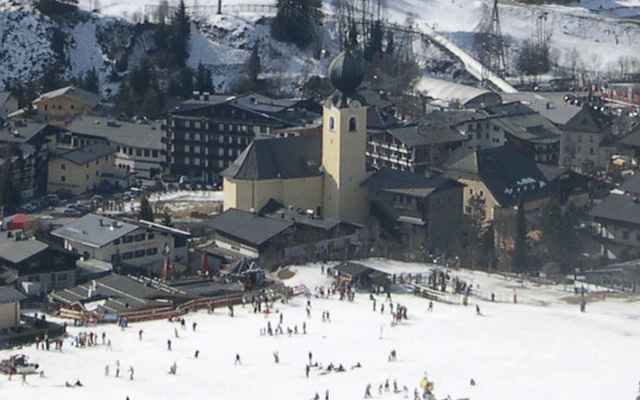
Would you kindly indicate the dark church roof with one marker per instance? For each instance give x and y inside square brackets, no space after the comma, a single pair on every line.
[278,158]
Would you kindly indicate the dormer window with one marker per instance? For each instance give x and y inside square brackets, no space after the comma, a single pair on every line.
[353,124]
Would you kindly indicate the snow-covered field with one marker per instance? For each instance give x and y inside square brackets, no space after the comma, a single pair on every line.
[543,347]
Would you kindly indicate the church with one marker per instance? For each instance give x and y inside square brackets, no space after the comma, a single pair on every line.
[322,176]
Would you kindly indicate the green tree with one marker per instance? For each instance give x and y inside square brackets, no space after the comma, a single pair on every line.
[560,237]
[90,81]
[534,59]
[180,33]
[167,218]
[296,21]
[374,44]
[146,212]
[204,82]
[520,263]
[477,238]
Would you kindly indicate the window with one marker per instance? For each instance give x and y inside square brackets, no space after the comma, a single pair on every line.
[152,251]
[127,255]
[63,166]
[151,236]
[116,242]
[332,123]
[353,124]
[138,152]
[140,237]
[139,253]
[62,277]
[154,153]
[127,239]
[87,176]
[146,152]
[63,178]
[97,173]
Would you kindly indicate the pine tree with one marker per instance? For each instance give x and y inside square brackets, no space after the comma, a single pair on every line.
[167,218]
[296,21]
[146,212]
[204,82]
[180,32]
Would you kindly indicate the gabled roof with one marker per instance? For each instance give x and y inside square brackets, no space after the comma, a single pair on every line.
[407,183]
[94,230]
[71,91]
[15,251]
[278,158]
[120,293]
[25,132]
[632,185]
[449,91]
[247,227]
[83,155]
[588,120]
[557,112]
[618,207]
[142,135]
[351,268]
[507,174]
[4,96]
[9,294]
[531,127]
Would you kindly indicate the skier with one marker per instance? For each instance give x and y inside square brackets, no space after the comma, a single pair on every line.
[367,391]
[237,361]
[276,357]
[197,353]
[140,332]
[430,306]
[194,326]
[477,309]
[173,368]
[117,368]
[106,370]
[306,370]
[131,373]
[169,344]
[310,358]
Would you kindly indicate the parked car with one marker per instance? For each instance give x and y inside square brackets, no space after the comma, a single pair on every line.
[51,200]
[72,212]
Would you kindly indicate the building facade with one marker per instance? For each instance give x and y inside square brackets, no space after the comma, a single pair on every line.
[205,135]
[79,170]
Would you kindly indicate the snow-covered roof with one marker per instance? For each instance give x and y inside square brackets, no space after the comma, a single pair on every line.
[468,96]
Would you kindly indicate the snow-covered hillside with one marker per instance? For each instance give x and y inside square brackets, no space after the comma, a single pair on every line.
[588,35]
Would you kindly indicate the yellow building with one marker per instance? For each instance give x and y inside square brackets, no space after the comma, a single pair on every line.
[60,106]
[10,307]
[79,170]
[324,175]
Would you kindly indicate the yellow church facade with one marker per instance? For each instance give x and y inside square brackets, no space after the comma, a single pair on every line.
[306,172]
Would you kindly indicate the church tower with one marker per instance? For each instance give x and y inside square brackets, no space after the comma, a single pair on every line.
[344,140]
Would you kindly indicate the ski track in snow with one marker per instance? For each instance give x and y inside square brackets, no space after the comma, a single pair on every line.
[513,351]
